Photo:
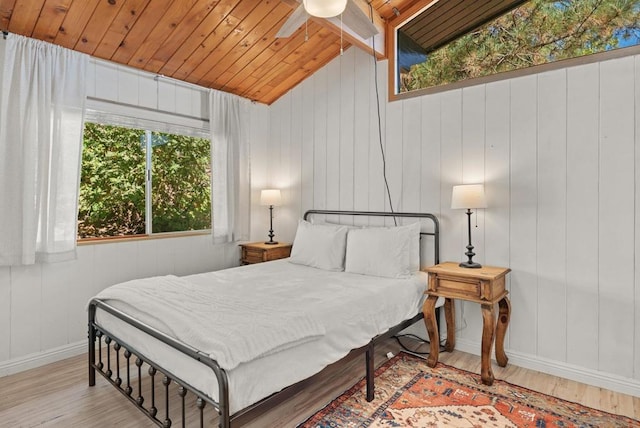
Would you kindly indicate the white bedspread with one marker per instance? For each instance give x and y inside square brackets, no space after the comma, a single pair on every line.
[351,309]
[228,327]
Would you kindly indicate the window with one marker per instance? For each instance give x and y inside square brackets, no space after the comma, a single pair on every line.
[459,47]
[136,181]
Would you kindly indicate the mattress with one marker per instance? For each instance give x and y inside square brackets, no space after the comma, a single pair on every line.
[351,308]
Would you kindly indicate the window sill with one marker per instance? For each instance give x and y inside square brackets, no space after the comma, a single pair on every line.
[145,237]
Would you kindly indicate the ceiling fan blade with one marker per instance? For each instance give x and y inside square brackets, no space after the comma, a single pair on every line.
[297,18]
[354,18]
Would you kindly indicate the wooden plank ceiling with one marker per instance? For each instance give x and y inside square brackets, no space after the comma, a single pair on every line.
[223,44]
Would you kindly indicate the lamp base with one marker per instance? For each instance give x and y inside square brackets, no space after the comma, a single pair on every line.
[271,242]
[471,265]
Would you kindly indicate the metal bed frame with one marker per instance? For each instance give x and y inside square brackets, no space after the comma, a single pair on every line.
[100,338]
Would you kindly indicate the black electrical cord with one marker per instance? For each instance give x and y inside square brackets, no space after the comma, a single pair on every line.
[416,338]
[384,160]
[412,336]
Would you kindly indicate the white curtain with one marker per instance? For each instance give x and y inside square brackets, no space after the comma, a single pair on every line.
[41,122]
[230,177]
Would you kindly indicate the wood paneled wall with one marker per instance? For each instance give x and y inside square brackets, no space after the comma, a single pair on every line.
[42,306]
[557,152]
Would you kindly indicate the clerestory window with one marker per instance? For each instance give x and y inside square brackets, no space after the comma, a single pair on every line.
[451,41]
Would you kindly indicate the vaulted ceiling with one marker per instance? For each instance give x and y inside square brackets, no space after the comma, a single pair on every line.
[223,44]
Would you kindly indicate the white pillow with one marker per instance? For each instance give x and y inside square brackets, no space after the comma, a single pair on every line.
[319,245]
[414,246]
[391,252]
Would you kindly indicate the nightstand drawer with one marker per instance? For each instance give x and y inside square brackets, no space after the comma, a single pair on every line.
[456,287]
[251,255]
[278,253]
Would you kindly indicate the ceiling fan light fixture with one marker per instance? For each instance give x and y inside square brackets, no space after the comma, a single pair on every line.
[324,8]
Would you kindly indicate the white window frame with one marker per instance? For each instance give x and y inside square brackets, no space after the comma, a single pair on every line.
[148,120]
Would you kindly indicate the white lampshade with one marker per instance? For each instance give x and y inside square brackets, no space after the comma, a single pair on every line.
[468,196]
[325,8]
[270,197]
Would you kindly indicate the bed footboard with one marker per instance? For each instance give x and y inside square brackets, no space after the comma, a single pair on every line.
[112,358]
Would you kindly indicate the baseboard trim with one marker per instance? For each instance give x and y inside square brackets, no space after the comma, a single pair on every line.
[556,368]
[38,359]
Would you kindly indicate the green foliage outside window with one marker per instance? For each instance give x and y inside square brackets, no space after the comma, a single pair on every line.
[181,190]
[112,187]
[538,32]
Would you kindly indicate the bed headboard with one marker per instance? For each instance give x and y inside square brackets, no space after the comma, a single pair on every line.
[434,220]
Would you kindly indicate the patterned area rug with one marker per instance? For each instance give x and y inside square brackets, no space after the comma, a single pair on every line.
[410,394]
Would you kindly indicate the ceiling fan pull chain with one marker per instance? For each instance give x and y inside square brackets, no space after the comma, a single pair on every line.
[341,50]
[306,29]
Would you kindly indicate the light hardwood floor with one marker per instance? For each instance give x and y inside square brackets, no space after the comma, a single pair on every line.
[57,395]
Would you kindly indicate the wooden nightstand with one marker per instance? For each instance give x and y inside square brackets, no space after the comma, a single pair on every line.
[258,252]
[486,286]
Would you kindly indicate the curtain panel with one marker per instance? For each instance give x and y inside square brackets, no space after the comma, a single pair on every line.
[230,176]
[41,125]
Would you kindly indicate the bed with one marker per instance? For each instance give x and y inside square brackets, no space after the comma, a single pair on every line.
[237,367]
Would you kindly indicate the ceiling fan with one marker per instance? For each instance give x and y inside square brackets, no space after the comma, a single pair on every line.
[352,17]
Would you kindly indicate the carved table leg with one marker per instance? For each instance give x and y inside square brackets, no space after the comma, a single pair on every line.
[503,322]
[450,316]
[429,312]
[488,332]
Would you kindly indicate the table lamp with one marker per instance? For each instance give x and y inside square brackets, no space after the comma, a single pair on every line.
[467,196]
[270,197]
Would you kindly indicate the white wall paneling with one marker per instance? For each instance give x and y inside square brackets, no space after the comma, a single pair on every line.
[5,313]
[320,114]
[430,163]
[583,93]
[347,113]
[636,350]
[411,155]
[26,310]
[5,278]
[106,80]
[48,301]
[616,217]
[166,95]
[148,92]
[473,171]
[295,158]
[128,86]
[496,177]
[308,125]
[453,222]
[551,216]
[42,306]
[259,171]
[333,124]
[523,208]
[556,151]
[282,180]
[389,137]
[132,87]
[276,175]
[362,135]
[55,292]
